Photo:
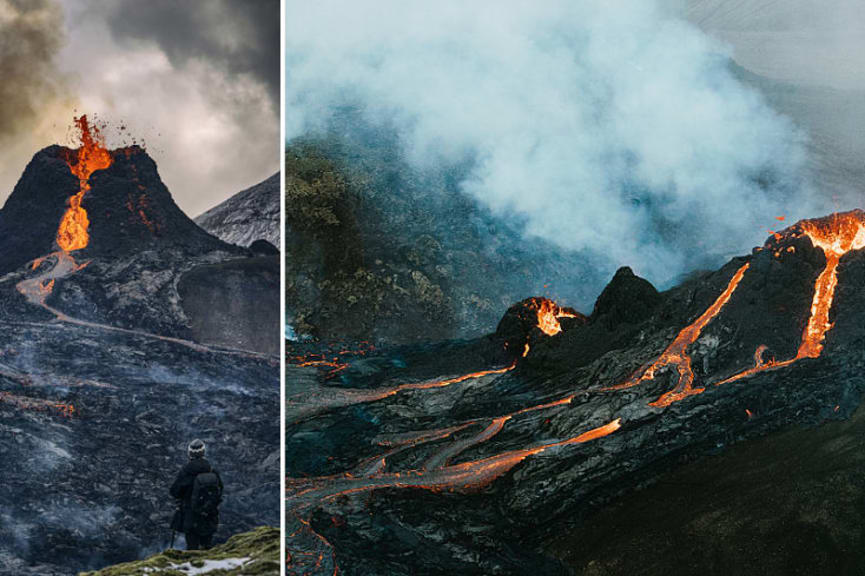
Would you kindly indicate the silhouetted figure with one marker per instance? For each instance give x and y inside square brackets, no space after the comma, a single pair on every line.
[198,489]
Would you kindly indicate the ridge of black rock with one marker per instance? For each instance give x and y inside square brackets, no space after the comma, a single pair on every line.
[248,216]
[129,208]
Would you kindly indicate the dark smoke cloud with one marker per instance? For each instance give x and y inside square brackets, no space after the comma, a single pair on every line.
[241,37]
[31,36]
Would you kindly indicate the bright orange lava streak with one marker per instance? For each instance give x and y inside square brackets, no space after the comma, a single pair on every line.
[472,474]
[443,383]
[676,353]
[92,155]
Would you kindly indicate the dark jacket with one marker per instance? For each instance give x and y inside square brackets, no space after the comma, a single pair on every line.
[182,489]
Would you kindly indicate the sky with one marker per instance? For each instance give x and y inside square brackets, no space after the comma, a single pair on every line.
[196,81]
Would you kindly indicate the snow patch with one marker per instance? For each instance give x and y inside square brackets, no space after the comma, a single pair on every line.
[208,566]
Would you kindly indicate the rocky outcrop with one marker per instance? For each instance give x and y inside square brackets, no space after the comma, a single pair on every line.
[377,250]
[248,216]
[253,553]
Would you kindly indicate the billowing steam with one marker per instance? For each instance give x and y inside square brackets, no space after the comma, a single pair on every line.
[608,126]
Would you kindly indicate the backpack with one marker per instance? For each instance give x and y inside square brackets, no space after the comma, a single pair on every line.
[204,503]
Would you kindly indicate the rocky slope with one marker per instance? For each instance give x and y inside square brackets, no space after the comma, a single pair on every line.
[790,503]
[377,250]
[249,215]
[108,365]
[474,457]
[253,553]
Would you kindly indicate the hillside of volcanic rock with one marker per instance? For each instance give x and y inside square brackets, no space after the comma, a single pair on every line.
[377,250]
[515,452]
[116,351]
[250,215]
[136,260]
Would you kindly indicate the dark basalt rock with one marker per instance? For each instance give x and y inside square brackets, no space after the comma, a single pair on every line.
[234,303]
[627,299]
[130,209]
[263,247]
[32,213]
[519,325]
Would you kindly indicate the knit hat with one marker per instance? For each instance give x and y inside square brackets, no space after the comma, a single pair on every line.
[196,449]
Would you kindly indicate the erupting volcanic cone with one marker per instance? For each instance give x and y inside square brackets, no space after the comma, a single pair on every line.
[103,202]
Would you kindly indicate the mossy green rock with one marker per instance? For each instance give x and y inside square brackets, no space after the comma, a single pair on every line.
[251,553]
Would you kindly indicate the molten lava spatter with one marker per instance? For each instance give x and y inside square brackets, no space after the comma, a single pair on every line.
[548,316]
[92,155]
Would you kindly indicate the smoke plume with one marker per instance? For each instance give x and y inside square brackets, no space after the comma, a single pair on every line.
[34,91]
[30,38]
[612,127]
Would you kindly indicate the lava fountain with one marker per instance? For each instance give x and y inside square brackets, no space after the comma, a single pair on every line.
[92,155]
[548,316]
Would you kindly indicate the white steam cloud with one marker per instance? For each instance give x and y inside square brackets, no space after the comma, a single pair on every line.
[611,127]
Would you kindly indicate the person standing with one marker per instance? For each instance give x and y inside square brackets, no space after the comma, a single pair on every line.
[198,490]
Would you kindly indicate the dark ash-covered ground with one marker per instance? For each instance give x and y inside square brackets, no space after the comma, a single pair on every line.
[411,482]
[108,368]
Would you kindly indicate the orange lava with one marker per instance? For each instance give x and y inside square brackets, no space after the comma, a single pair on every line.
[548,316]
[442,383]
[463,476]
[676,354]
[92,155]
[835,235]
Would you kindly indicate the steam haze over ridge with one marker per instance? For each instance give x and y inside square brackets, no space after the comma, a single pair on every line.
[615,128]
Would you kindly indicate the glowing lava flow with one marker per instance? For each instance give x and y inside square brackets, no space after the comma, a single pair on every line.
[72,235]
[676,354]
[463,476]
[92,155]
[836,235]
[311,402]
